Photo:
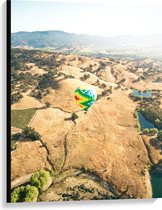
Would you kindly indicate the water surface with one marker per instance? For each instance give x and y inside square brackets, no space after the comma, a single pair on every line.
[143,122]
[156,177]
[156,180]
[146,94]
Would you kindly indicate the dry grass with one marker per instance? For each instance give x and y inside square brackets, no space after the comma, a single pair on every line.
[28,158]
[26,102]
[104,140]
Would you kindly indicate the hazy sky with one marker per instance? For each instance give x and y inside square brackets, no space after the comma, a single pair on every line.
[105,19]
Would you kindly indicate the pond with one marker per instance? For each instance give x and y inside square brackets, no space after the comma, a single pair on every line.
[156,177]
[156,180]
[143,122]
[146,94]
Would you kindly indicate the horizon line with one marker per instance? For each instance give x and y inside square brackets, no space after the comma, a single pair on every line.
[84,34]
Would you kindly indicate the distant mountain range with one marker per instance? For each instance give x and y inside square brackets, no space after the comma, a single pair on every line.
[63,41]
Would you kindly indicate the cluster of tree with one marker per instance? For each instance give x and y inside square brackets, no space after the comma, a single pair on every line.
[36,94]
[48,80]
[69,76]
[154,115]
[22,81]
[101,66]
[85,77]
[136,80]
[17,63]
[150,131]
[26,193]
[88,68]
[158,123]
[103,85]
[107,92]
[30,192]
[28,78]
[102,63]
[135,98]
[31,133]
[137,120]
[49,61]
[15,97]
[21,56]
[27,132]
[121,81]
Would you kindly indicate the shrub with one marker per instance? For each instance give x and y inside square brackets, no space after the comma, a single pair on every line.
[153,130]
[40,179]
[26,193]
[36,94]
[159,135]
[16,136]
[157,122]
[137,120]
[31,133]
[15,97]
[146,131]
[48,104]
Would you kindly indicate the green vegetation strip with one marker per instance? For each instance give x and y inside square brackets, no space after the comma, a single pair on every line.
[21,118]
[137,120]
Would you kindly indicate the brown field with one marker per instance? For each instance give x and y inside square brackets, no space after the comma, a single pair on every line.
[90,143]
[27,158]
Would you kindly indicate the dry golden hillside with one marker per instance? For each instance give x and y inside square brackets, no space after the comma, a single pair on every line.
[101,149]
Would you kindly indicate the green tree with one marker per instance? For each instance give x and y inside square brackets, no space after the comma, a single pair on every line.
[157,122]
[15,97]
[153,130]
[31,193]
[31,133]
[139,91]
[48,104]
[26,193]
[15,195]
[145,131]
[40,179]
[159,135]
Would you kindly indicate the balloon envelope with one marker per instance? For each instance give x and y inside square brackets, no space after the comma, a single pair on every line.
[85,96]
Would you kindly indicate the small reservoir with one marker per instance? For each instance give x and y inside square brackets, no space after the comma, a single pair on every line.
[146,94]
[156,177]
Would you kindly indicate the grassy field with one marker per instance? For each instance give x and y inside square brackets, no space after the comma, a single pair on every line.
[21,118]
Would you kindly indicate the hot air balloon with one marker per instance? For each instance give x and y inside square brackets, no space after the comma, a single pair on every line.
[85,96]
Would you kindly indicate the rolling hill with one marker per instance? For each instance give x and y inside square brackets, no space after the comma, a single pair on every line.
[70,42]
